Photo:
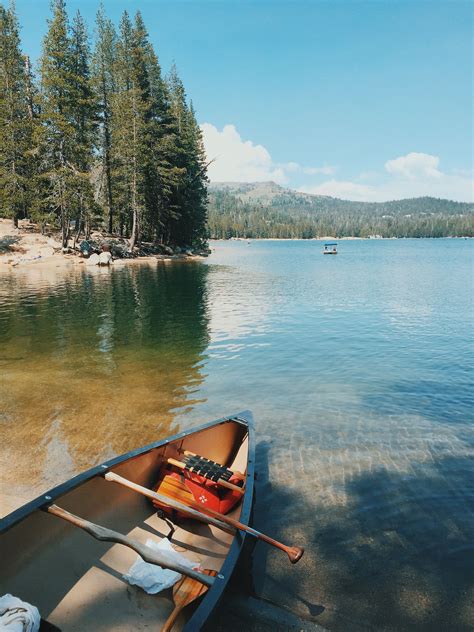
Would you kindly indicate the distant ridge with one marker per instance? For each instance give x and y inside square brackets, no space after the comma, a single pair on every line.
[266,209]
[268,190]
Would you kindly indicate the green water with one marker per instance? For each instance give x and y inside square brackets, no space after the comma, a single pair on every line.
[358,369]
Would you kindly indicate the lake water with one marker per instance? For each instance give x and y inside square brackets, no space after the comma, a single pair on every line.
[358,369]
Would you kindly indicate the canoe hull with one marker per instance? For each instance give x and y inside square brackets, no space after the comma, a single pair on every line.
[40,550]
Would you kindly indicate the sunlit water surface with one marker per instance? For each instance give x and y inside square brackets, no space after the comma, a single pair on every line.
[358,369]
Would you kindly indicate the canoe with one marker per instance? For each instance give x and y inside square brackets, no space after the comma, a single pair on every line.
[76,581]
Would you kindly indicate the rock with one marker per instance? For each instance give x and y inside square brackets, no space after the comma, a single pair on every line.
[93,260]
[105,259]
[167,250]
[189,253]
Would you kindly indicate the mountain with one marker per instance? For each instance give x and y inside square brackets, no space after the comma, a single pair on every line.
[266,209]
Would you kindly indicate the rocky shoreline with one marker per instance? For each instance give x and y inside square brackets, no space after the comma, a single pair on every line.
[26,245]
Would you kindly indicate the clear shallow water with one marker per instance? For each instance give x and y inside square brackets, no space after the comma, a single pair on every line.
[358,369]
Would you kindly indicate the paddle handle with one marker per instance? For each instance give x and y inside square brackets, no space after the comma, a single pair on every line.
[171,620]
[220,481]
[147,553]
[207,515]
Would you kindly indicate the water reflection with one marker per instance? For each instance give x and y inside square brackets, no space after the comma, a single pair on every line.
[94,363]
[358,369]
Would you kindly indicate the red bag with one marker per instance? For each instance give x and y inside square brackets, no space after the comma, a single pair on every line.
[189,486]
[211,494]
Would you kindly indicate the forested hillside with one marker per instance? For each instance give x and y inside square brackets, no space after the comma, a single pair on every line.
[99,138]
[259,210]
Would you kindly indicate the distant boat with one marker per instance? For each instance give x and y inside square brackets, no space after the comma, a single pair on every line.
[330,249]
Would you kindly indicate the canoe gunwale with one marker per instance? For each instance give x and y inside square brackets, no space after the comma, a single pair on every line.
[54,494]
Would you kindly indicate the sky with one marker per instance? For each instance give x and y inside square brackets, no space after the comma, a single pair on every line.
[358,100]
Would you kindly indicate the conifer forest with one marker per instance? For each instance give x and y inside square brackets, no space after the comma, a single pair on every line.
[94,135]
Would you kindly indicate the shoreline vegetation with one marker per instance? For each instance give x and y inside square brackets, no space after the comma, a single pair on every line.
[267,210]
[97,138]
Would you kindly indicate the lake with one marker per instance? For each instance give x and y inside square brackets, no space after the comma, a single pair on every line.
[358,369]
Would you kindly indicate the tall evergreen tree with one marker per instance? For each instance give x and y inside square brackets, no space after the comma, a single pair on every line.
[84,121]
[190,193]
[130,115]
[16,120]
[163,173]
[104,85]
[67,118]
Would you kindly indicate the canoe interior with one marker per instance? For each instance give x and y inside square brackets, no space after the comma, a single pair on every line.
[76,581]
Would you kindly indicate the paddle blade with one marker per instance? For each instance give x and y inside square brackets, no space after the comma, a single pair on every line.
[185,591]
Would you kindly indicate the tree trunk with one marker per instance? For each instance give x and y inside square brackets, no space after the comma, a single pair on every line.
[108,176]
[135,226]
[29,95]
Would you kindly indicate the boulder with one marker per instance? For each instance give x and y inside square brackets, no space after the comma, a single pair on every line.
[105,259]
[93,260]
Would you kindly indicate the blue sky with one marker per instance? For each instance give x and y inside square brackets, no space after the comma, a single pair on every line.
[360,100]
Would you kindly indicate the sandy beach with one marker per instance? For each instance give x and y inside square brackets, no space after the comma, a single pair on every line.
[26,247]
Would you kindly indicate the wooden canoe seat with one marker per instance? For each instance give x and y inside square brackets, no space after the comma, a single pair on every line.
[174,488]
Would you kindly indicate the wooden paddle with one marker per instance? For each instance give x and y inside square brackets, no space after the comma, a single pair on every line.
[161,558]
[185,591]
[205,514]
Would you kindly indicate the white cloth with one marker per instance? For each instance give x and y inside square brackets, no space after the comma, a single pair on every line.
[153,578]
[17,615]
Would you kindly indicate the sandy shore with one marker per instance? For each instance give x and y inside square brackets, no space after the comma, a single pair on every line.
[30,248]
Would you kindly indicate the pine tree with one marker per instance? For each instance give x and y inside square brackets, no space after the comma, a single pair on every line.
[195,230]
[67,119]
[16,121]
[104,85]
[162,173]
[130,114]
[84,121]
[58,132]
[190,194]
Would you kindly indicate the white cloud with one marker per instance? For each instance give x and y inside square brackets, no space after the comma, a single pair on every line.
[238,160]
[413,175]
[291,167]
[414,165]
